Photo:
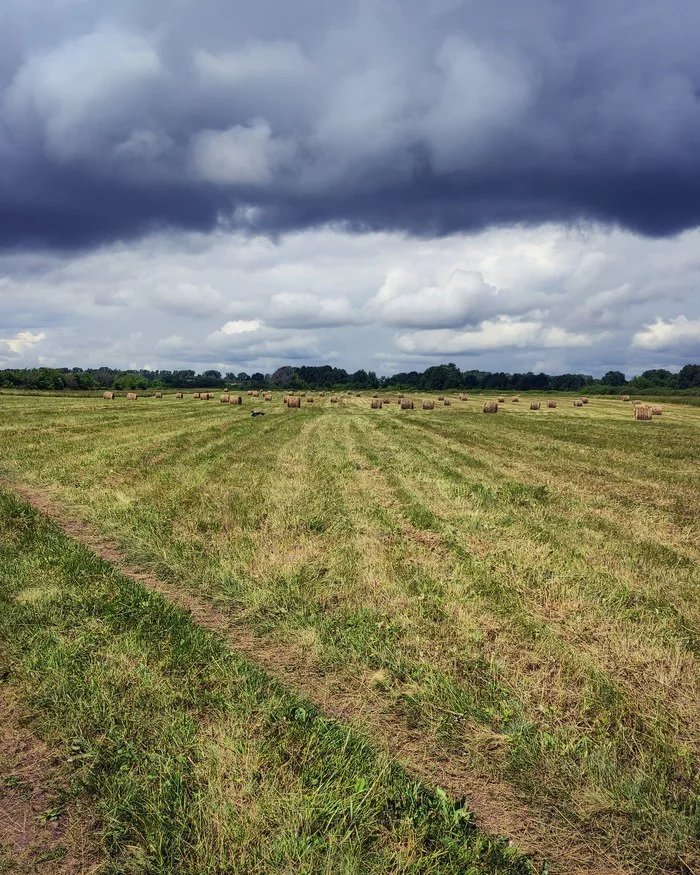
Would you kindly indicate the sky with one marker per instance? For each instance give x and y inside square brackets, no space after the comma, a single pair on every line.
[389,185]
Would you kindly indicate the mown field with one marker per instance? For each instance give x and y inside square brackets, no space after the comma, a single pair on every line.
[411,616]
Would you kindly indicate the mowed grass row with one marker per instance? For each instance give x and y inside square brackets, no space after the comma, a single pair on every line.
[520,589]
[191,759]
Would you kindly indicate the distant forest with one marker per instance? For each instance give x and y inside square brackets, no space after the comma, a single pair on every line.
[326,377]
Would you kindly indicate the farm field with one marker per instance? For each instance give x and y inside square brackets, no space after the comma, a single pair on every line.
[364,618]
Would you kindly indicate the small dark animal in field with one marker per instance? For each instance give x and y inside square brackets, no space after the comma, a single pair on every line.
[258,413]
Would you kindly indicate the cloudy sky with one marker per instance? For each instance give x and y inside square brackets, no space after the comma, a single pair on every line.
[389,185]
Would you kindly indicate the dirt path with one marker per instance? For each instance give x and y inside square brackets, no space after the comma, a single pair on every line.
[543,834]
[38,834]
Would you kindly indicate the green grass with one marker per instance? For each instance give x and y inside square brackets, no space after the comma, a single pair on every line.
[194,760]
[518,591]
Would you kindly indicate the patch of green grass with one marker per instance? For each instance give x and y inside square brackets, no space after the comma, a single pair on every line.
[193,759]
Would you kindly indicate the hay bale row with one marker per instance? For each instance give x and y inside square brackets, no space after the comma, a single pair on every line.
[131,396]
[376,404]
[235,399]
[428,405]
[224,398]
[641,411]
[108,396]
[195,394]
[491,407]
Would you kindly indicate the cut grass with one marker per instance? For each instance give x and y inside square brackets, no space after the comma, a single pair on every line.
[193,759]
[519,590]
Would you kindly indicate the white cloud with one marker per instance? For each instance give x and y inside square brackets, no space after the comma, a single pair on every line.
[680,332]
[499,334]
[306,310]
[240,326]
[21,343]
[247,155]
[462,298]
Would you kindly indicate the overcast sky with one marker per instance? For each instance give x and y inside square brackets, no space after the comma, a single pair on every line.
[389,185]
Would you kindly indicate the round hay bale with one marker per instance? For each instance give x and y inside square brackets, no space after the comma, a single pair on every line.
[108,396]
[400,396]
[267,397]
[625,397]
[441,397]
[334,400]
[656,410]
[321,394]
[584,399]
[208,396]
[196,395]
[302,394]
[428,405]
[131,396]
[294,401]
[551,404]
[376,404]
[641,411]
[374,395]
[224,399]
[515,399]
[534,405]
[637,403]
[179,395]
[235,399]
[159,394]
[250,392]
[310,399]
[447,402]
[501,400]
[357,394]
[256,394]
[463,397]
[406,404]
[578,403]
[491,407]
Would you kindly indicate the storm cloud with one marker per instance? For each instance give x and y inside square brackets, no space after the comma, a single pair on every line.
[423,116]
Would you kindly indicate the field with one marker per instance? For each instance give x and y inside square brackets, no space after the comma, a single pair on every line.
[343,640]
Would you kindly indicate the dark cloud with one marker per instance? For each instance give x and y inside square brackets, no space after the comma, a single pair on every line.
[428,117]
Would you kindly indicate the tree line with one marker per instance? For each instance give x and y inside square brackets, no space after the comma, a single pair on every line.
[438,377]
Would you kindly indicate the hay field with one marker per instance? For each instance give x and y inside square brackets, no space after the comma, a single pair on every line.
[504,607]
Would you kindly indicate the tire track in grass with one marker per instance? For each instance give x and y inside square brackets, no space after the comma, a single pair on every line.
[568,850]
[193,758]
